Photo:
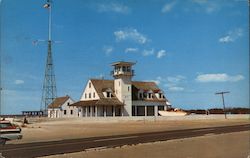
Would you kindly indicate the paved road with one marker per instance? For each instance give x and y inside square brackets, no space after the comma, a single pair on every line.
[75,145]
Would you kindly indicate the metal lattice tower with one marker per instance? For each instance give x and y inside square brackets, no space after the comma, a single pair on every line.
[49,85]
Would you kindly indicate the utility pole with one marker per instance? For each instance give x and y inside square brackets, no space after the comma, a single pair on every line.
[224,107]
[49,85]
[1,53]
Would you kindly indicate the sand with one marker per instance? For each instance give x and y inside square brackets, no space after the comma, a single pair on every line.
[48,130]
[231,145]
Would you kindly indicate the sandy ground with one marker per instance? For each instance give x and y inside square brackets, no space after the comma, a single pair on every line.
[231,145]
[44,130]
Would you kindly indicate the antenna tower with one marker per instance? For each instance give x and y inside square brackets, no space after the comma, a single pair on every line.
[49,84]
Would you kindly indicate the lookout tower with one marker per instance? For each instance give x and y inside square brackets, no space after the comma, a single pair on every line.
[123,74]
[49,85]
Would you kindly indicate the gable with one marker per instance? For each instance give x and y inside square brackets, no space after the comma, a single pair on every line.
[58,102]
[90,92]
[67,103]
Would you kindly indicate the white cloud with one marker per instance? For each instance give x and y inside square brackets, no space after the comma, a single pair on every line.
[131,50]
[114,7]
[231,36]
[176,79]
[19,82]
[130,34]
[168,7]
[108,49]
[226,39]
[223,77]
[161,53]
[172,83]
[148,52]
[207,6]
[176,88]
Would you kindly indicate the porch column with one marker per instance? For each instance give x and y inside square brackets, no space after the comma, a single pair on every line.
[156,110]
[91,111]
[145,110]
[113,111]
[105,111]
[95,111]
[122,109]
[165,107]
[135,110]
[86,111]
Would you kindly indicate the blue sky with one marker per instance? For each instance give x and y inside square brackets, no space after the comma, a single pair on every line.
[191,48]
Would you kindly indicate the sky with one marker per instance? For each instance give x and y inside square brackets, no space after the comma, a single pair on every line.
[190,48]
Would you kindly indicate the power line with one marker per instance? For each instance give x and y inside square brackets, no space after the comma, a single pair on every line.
[222,95]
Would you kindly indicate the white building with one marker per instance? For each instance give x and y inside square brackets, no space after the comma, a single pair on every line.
[120,97]
[60,108]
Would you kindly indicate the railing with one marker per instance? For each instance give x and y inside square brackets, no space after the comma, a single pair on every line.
[130,73]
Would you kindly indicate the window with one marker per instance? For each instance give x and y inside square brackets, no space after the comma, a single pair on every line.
[140,95]
[94,95]
[65,112]
[128,69]
[160,95]
[89,84]
[149,95]
[6,125]
[123,68]
[71,112]
[85,95]
[89,95]
[68,103]
[108,94]
[128,88]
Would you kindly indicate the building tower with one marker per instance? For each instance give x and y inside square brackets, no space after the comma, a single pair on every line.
[123,74]
[49,85]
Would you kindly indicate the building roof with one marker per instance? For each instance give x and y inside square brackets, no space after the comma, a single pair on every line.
[146,86]
[100,102]
[122,63]
[58,102]
[102,85]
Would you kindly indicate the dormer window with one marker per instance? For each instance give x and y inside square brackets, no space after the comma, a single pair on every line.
[160,95]
[150,95]
[141,95]
[108,94]
[89,84]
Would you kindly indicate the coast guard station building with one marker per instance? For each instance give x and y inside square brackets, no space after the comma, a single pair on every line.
[119,97]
